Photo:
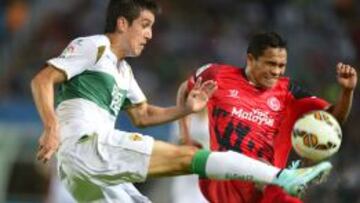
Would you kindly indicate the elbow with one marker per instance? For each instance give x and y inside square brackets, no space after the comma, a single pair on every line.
[37,82]
[34,83]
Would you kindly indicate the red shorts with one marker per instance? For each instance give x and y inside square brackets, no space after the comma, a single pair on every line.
[243,192]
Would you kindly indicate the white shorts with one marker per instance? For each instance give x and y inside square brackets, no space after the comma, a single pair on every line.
[98,167]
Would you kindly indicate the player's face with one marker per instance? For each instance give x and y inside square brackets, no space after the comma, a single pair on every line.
[139,33]
[267,68]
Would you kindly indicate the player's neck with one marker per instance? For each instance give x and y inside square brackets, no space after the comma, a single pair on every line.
[252,80]
[249,78]
[115,45]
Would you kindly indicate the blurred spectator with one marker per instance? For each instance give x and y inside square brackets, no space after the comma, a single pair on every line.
[16,14]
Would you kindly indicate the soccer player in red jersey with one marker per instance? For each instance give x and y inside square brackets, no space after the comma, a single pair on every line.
[253,110]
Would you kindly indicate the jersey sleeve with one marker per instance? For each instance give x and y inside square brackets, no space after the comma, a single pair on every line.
[135,95]
[298,107]
[206,72]
[78,56]
[302,101]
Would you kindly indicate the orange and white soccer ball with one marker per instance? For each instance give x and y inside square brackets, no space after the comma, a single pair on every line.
[316,136]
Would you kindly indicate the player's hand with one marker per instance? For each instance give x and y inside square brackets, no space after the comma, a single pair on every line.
[200,94]
[48,144]
[346,76]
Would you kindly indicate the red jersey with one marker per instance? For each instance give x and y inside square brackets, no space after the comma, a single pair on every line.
[248,120]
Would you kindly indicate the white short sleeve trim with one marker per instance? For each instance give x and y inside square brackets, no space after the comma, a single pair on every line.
[78,56]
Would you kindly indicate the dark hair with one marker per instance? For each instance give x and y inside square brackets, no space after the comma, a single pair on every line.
[129,9]
[260,42]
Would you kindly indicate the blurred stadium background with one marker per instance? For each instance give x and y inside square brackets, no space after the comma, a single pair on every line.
[187,35]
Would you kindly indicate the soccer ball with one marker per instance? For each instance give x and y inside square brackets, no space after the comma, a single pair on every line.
[316,136]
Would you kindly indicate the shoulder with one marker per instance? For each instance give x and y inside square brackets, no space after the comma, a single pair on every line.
[297,90]
[214,69]
[94,45]
[282,86]
[80,44]
[204,68]
[93,42]
[284,82]
[96,40]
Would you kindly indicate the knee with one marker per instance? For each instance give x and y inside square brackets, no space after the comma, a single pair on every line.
[171,160]
[186,154]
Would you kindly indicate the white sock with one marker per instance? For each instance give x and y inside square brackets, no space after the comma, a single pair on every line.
[234,165]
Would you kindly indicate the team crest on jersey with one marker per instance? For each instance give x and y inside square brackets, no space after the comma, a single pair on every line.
[273,103]
[233,93]
[68,51]
[135,137]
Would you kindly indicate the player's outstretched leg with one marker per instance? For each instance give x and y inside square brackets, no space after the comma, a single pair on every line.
[295,181]
[168,160]
[233,165]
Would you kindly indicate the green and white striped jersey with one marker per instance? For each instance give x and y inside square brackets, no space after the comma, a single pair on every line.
[98,85]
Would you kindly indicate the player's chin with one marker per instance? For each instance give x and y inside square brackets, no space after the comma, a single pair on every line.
[140,49]
[269,83]
[135,52]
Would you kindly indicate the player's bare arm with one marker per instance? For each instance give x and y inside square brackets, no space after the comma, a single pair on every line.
[181,95]
[144,114]
[42,87]
[347,79]
[183,122]
[184,125]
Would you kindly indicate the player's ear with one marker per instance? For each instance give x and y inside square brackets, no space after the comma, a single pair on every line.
[122,24]
[250,59]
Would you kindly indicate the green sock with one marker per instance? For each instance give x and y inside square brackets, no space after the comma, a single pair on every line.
[198,163]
